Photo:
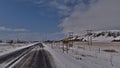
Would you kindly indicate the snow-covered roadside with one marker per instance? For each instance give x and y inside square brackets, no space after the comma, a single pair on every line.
[63,60]
[6,49]
[85,58]
[98,59]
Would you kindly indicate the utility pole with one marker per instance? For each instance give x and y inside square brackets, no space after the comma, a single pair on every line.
[89,33]
[87,36]
[71,39]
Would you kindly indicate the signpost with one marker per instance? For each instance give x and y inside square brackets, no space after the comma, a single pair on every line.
[68,42]
[65,45]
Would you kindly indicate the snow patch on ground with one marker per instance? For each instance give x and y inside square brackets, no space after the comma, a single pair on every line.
[8,48]
[62,60]
[88,57]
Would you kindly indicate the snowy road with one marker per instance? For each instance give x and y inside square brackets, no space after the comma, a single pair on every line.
[32,57]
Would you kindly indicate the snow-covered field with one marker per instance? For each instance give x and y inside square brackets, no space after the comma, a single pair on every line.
[83,56]
[5,47]
[99,55]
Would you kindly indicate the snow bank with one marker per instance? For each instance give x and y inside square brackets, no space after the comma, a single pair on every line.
[16,49]
[62,60]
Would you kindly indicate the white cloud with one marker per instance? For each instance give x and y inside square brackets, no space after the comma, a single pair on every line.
[30,36]
[20,36]
[2,28]
[102,15]
[25,36]
[63,7]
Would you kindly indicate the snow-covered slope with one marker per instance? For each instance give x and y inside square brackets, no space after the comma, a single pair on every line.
[100,36]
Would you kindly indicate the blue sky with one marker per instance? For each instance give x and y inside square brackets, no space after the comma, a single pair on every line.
[52,19]
[27,15]
[17,14]
[34,17]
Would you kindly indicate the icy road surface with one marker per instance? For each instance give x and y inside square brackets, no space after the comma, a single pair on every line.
[35,56]
[28,57]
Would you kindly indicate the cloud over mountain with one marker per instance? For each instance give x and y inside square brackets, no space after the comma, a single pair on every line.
[99,15]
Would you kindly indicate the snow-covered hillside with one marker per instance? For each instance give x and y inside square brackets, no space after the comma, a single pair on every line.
[100,36]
